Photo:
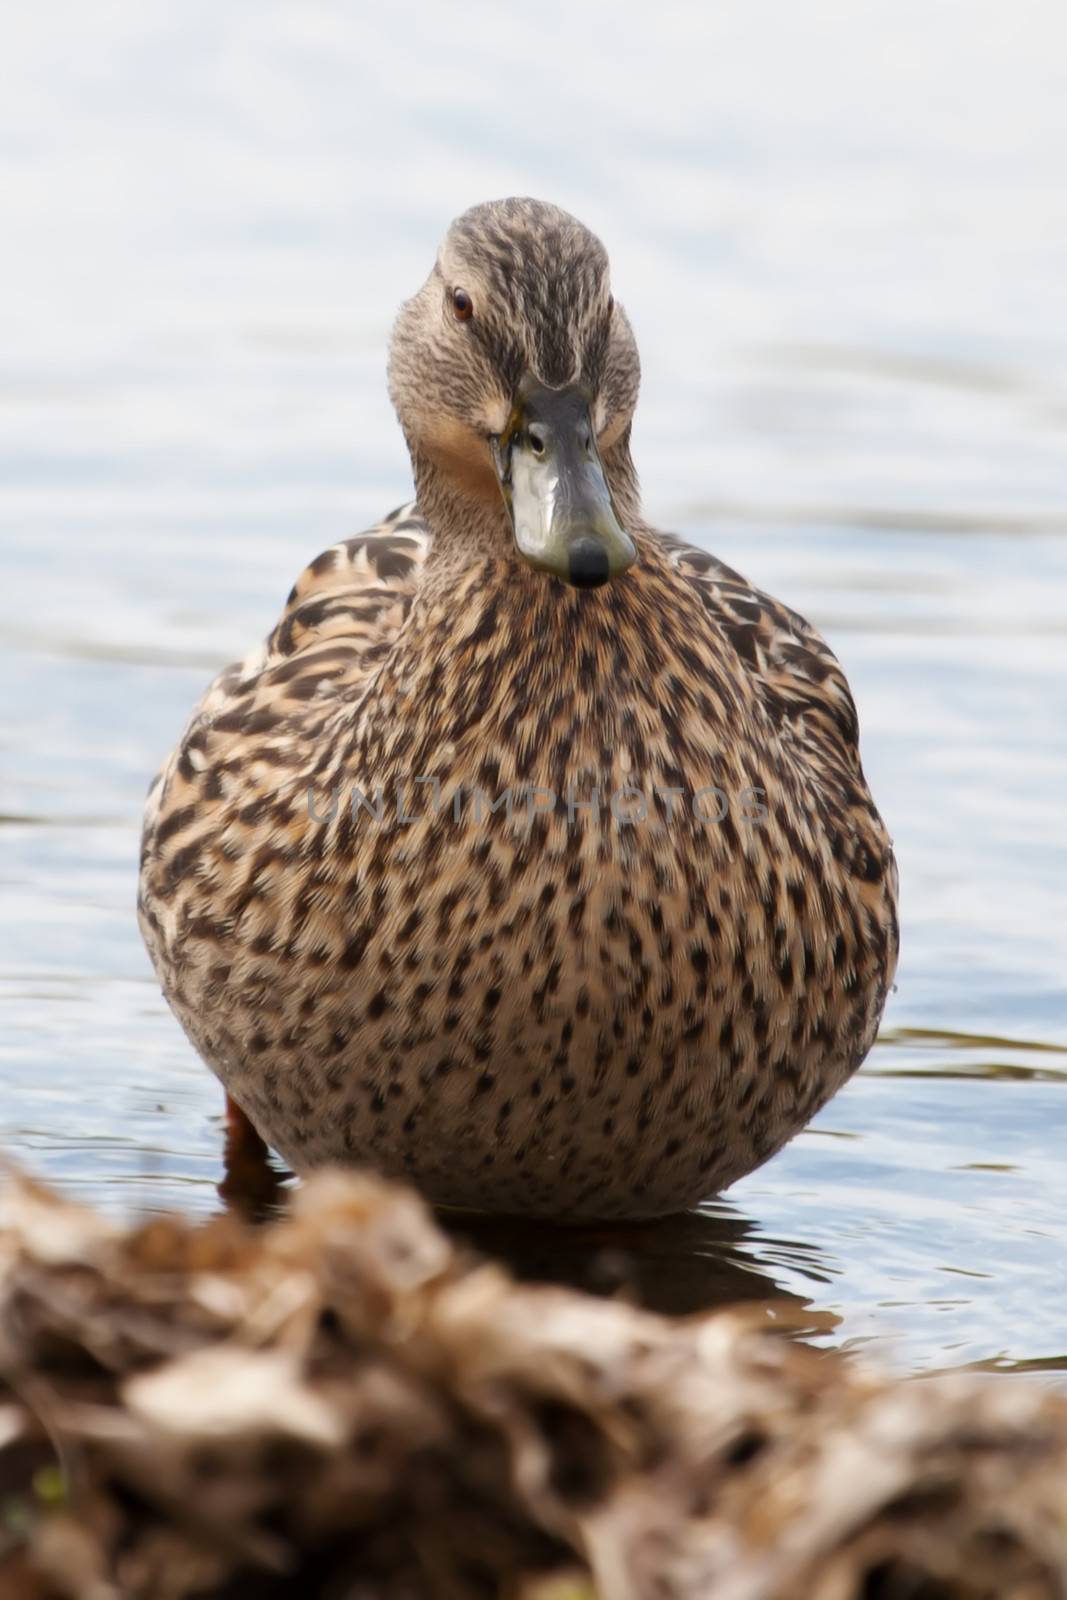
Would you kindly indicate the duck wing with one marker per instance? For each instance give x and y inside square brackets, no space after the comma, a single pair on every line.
[341,617]
[793,669]
[809,703]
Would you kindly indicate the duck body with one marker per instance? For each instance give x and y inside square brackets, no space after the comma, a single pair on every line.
[558,900]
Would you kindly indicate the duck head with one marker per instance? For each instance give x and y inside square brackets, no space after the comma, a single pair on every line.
[515,375]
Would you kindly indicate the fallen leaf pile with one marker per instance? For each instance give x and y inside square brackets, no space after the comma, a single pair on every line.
[343,1405]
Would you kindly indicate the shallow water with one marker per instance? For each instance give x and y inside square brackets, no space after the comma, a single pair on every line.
[844,248]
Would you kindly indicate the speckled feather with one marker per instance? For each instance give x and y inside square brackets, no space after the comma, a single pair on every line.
[570,1012]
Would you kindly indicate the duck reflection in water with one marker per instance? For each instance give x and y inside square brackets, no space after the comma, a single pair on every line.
[699,1260]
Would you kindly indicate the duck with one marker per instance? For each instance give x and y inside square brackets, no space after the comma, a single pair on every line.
[530,859]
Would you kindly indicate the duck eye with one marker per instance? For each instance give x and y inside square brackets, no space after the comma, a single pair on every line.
[462,305]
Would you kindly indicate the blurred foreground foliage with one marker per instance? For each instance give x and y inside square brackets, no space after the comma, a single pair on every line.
[344,1405]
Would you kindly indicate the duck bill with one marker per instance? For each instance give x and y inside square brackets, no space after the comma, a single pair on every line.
[554,487]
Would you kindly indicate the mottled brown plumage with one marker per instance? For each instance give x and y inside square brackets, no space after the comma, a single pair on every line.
[572,1009]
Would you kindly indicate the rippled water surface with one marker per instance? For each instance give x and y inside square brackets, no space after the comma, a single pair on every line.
[842,237]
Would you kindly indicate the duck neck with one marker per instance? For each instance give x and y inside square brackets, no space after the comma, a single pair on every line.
[491,646]
[468,522]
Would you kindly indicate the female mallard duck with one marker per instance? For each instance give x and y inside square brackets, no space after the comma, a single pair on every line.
[554,890]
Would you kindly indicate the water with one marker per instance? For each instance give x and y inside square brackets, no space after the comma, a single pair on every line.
[841,234]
